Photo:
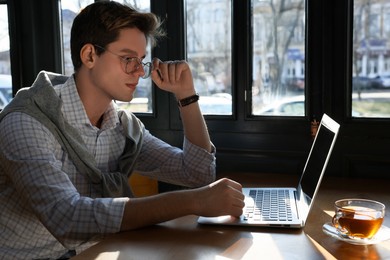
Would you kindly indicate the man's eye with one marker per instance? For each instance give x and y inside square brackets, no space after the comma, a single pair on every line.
[131,60]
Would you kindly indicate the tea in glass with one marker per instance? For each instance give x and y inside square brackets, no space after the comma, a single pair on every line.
[358,218]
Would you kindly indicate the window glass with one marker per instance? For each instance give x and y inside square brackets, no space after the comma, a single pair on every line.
[278,29]
[209,53]
[5,64]
[142,101]
[371,59]
[70,8]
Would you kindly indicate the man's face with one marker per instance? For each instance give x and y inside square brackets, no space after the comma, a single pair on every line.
[109,73]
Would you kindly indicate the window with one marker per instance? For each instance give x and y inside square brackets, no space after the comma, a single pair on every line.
[278,74]
[371,59]
[5,64]
[300,58]
[209,53]
[69,10]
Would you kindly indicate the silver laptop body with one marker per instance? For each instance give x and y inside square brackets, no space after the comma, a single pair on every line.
[294,203]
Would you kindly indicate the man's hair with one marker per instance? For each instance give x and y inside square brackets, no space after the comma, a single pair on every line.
[100,24]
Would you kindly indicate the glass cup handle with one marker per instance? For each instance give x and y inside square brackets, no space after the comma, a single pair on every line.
[335,219]
[335,223]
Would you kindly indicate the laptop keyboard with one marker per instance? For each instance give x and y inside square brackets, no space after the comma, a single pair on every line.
[269,205]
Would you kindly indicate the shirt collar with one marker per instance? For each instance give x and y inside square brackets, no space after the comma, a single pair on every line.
[74,111]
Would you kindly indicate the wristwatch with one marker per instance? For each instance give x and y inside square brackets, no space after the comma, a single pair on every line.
[188,100]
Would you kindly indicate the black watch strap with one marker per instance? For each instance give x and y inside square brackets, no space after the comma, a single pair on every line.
[188,100]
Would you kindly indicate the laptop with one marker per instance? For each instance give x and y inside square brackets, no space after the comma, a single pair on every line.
[287,206]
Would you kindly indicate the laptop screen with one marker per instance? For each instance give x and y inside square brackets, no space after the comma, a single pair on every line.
[319,155]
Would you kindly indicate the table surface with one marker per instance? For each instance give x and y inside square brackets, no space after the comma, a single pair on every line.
[183,238]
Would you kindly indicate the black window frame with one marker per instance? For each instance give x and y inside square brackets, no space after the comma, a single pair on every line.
[244,142]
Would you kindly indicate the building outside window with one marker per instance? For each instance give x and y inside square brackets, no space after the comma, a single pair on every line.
[209,53]
[278,70]
[371,59]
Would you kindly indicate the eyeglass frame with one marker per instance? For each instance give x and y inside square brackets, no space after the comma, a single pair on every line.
[127,60]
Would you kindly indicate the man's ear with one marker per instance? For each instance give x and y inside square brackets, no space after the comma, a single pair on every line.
[87,55]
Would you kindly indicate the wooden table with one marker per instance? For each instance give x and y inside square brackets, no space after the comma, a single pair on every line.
[183,238]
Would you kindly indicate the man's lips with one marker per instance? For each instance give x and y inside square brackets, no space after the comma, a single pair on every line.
[131,85]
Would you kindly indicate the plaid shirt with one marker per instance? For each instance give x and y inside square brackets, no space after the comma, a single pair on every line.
[47,207]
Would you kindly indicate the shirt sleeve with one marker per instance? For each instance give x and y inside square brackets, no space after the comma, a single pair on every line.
[32,165]
[191,166]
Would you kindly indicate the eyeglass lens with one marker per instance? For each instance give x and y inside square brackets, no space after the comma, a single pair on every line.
[134,65]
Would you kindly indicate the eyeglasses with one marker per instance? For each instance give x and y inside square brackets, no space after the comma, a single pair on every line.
[132,64]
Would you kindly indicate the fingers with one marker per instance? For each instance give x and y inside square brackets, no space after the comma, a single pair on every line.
[222,197]
[237,200]
[230,183]
[237,207]
[156,72]
[168,72]
[233,196]
[233,184]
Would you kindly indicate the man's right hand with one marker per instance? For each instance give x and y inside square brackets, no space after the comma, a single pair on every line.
[222,197]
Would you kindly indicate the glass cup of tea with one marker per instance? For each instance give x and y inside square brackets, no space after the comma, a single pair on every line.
[358,218]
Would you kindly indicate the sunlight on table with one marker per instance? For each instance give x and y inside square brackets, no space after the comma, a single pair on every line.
[108,255]
[248,248]
[322,250]
[329,212]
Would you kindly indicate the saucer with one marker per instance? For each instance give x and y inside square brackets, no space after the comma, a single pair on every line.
[383,234]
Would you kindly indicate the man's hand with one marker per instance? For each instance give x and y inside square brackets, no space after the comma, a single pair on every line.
[174,77]
[222,197]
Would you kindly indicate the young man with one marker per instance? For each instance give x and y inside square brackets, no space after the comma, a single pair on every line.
[66,151]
